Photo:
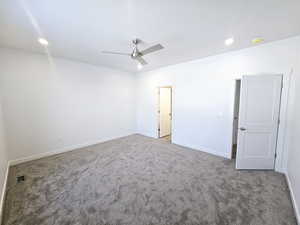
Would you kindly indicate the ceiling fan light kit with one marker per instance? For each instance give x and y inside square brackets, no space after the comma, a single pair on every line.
[137,54]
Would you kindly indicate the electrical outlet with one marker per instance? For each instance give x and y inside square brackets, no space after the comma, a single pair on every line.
[20,179]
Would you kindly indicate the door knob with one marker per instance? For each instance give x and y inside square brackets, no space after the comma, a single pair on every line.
[243,129]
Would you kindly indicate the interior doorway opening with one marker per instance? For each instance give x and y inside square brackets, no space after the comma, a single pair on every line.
[165,113]
[236,110]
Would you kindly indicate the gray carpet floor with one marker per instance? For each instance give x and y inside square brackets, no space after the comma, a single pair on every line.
[138,180]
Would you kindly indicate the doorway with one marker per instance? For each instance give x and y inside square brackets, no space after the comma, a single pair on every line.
[258,121]
[236,117]
[165,113]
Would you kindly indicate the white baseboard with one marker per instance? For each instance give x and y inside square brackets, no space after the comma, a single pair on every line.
[204,149]
[61,150]
[296,207]
[197,148]
[3,193]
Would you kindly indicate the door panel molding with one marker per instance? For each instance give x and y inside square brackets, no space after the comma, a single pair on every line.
[259,115]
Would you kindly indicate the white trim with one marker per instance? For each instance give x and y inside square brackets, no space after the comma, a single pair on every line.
[205,149]
[283,130]
[61,150]
[281,148]
[296,207]
[195,148]
[3,193]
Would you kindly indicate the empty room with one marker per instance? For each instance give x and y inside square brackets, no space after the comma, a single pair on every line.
[140,112]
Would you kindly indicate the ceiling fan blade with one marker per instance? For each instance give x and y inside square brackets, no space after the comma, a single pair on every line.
[115,53]
[153,48]
[141,60]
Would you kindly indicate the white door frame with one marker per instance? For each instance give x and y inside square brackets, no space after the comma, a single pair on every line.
[257,137]
[281,146]
[158,109]
[234,132]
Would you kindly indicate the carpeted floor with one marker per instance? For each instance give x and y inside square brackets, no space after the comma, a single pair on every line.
[138,180]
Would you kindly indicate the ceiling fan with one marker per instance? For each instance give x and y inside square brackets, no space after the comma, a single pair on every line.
[136,53]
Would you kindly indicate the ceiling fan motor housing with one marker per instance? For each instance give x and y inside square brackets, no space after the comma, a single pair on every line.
[136,54]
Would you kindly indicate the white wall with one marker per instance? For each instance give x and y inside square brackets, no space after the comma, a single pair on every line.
[293,170]
[3,160]
[203,98]
[61,104]
[204,93]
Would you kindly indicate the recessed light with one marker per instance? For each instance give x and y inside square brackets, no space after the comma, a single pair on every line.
[257,40]
[43,41]
[139,66]
[229,41]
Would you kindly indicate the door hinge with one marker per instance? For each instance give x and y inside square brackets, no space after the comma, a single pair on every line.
[278,121]
[275,155]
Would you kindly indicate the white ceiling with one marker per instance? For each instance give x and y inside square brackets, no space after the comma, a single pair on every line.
[188,29]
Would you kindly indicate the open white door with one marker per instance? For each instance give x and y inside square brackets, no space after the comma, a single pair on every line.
[165,113]
[258,121]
